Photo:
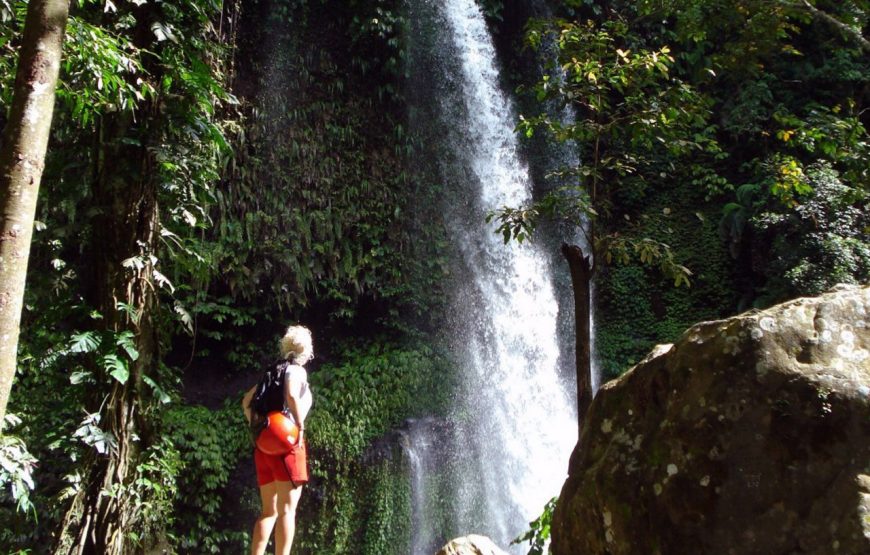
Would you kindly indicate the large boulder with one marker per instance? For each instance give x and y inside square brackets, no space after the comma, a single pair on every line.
[471,545]
[748,436]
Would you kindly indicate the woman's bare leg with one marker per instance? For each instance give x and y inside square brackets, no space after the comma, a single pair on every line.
[266,520]
[288,499]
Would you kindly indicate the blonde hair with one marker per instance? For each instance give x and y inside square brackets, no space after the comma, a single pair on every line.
[296,345]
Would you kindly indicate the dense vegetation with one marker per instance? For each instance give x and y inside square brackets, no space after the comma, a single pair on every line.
[698,123]
[219,169]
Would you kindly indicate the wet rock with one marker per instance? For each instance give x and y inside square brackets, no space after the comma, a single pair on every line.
[748,436]
[471,545]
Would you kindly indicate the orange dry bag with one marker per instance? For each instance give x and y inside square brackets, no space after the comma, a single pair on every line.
[279,436]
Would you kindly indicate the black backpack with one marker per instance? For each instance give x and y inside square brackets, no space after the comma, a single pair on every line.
[268,397]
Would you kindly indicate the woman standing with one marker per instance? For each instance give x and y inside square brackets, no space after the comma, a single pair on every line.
[280,476]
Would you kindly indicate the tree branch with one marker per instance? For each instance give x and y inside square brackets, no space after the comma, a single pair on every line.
[831,20]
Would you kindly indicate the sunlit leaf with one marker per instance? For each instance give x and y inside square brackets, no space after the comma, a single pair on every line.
[117,368]
[86,342]
[81,376]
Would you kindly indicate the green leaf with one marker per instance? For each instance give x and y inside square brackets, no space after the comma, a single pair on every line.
[127,341]
[163,281]
[161,395]
[86,342]
[117,367]
[134,263]
[163,32]
[81,376]
[129,310]
[731,207]
[185,317]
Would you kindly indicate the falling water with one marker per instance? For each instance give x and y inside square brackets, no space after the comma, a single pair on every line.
[559,157]
[514,424]
[426,460]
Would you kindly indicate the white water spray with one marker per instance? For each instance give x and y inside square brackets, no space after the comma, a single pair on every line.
[561,157]
[515,424]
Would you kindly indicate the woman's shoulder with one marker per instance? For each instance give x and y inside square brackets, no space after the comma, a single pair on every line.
[296,372]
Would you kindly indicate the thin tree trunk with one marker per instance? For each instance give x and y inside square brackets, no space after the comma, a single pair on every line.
[22,160]
[581,277]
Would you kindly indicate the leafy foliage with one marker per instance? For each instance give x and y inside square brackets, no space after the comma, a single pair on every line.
[133,76]
[387,517]
[361,500]
[371,392]
[295,240]
[538,534]
[823,241]
[16,467]
[635,124]
[102,71]
[793,124]
[153,490]
[210,445]
[316,210]
[638,308]
[780,96]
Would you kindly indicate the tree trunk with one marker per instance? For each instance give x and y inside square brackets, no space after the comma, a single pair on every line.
[125,192]
[581,277]
[22,160]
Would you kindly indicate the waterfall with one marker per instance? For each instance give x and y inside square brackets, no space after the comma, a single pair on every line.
[429,524]
[560,156]
[514,422]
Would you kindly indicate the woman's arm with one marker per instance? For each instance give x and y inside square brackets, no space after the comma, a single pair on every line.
[297,394]
[246,400]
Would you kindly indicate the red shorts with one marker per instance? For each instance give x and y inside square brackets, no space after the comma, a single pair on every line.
[270,468]
[292,467]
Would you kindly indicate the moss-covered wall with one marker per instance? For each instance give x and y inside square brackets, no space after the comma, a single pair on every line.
[364,509]
[636,308]
[359,501]
[320,219]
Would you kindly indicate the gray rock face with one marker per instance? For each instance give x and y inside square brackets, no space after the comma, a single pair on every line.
[471,545]
[748,436]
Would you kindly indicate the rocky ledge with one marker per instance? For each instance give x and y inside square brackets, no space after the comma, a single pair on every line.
[471,545]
